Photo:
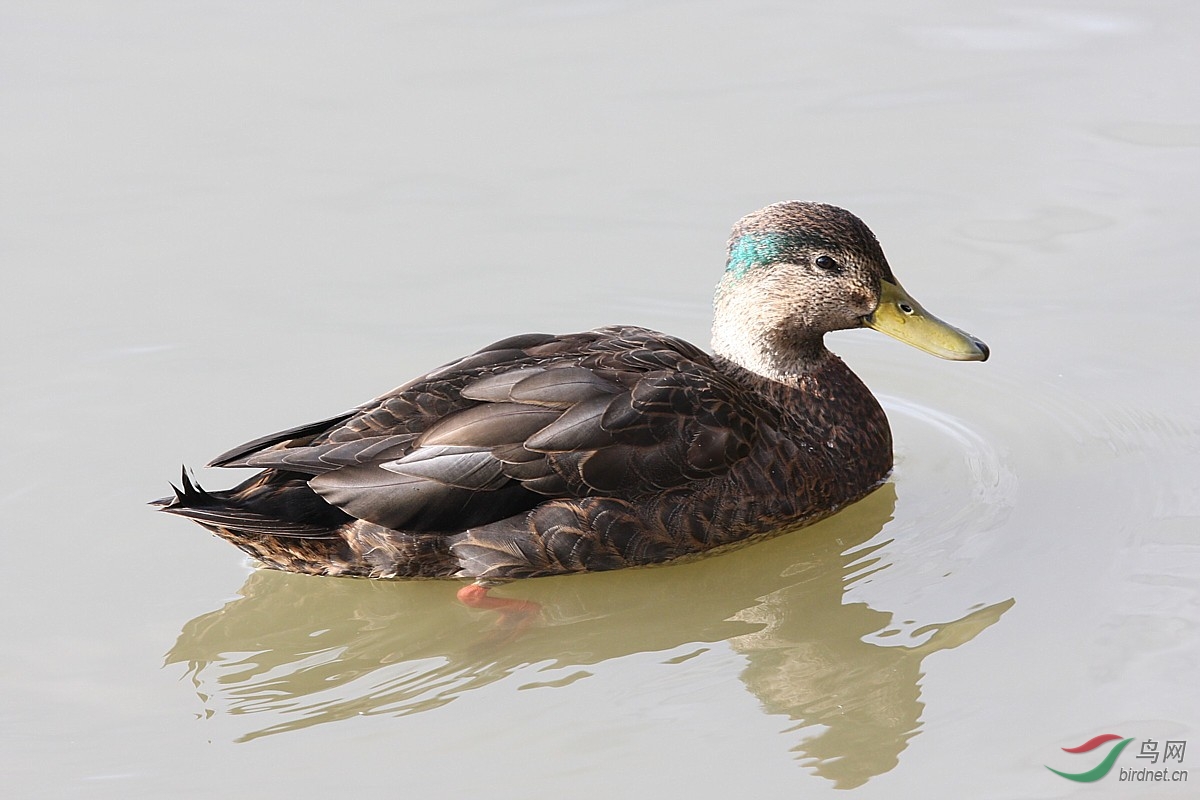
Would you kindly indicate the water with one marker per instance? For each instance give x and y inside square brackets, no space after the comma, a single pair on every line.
[223,221]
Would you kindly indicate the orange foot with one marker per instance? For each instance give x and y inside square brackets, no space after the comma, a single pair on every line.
[515,615]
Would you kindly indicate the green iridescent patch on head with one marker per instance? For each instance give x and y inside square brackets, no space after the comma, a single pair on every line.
[755,250]
[763,248]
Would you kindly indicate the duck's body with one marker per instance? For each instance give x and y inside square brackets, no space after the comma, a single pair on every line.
[617,447]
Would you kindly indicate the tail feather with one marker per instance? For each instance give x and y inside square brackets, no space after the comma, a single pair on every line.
[220,510]
[190,493]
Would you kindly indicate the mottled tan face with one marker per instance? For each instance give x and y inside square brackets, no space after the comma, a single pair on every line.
[815,268]
[800,270]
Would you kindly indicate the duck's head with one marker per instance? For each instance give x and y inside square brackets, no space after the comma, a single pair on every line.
[796,271]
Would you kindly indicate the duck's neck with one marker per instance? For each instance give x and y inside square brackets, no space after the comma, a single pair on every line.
[743,336]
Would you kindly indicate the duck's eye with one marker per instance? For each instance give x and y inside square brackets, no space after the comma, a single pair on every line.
[828,264]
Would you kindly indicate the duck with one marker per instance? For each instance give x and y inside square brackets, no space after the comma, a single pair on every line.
[617,447]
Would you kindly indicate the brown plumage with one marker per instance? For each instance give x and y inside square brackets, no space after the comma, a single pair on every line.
[621,446]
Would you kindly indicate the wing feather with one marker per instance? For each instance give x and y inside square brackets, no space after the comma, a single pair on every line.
[616,412]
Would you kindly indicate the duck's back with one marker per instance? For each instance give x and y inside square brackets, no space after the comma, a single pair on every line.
[547,454]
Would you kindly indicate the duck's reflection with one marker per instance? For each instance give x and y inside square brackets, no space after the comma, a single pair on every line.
[313,650]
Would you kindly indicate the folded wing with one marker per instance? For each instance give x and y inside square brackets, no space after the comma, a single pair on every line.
[620,412]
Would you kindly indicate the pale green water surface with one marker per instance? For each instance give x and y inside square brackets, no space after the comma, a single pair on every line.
[224,219]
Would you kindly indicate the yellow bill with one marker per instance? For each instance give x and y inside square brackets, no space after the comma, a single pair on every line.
[903,318]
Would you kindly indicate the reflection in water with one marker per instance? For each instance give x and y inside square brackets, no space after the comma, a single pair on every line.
[815,668]
[304,650]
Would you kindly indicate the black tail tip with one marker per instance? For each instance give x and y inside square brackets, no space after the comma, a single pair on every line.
[191,494]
